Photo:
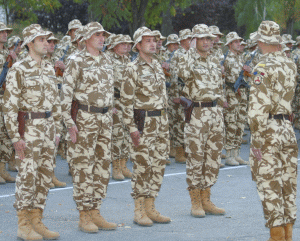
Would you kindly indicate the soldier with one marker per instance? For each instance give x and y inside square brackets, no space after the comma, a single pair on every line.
[296,101]
[32,118]
[11,44]
[204,124]
[129,44]
[88,82]
[6,149]
[216,50]
[144,100]
[171,45]
[120,135]
[236,113]
[274,149]
[288,40]
[80,45]
[177,137]
[242,48]
[159,54]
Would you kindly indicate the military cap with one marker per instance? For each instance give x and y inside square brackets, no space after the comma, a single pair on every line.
[115,40]
[231,37]
[31,32]
[91,28]
[172,39]
[184,34]
[78,34]
[52,37]
[138,36]
[297,40]
[284,47]
[268,32]
[287,39]
[108,40]
[12,40]
[220,42]
[243,43]
[215,30]
[202,31]
[73,25]
[4,28]
[128,39]
[159,33]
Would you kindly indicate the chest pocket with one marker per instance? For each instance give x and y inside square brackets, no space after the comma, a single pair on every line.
[50,88]
[33,91]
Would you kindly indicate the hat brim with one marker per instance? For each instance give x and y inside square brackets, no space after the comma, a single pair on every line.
[231,40]
[89,35]
[185,37]
[31,38]
[139,39]
[204,36]
[115,44]
[8,30]
[289,42]
[75,27]
[273,40]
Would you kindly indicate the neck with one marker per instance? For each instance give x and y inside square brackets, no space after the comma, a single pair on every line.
[36,57]
[146,57]
[92,51]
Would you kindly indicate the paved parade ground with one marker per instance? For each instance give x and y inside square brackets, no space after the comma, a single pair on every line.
[234,191]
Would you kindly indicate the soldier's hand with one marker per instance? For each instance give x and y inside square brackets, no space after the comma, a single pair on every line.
[247,68]
[60,64]
[20,148]
[57,139]
[135,136]
[13,54]
[257,153]
[223,70]
[225,104]
[165,65]
[176,100]
[73,133]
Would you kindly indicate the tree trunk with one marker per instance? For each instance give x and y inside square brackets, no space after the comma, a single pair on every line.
[166,26]
[138,15]
[290,26]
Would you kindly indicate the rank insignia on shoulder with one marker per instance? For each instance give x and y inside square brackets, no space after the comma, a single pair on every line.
[258,79]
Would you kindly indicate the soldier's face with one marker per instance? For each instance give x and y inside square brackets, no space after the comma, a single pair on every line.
[235,45]
[51,46]
[3,36]
[96,41]
[72,33]
[186,43]
[121,49]
[242,47]
[288,54]
[129,46]
[203,45]
[159,44]
[289,45]
[173,46]
[39,46]
[18,49]
[217,39]
[147,45]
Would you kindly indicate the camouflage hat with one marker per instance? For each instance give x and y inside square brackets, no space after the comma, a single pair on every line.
[184,34]
[73,24]
[288,39]
[172,39]
[52,37]
[201,31]
[33,31]
[243,43]
[108,40]
[78,34]
[215,30]
[138,36]
[268,32]
[12,40]
[91,28]
[159,33]
[285,48]
[220,42]
[115,40]
[231,37]
[297,40]
[251,42]
[4,28]
[128,39]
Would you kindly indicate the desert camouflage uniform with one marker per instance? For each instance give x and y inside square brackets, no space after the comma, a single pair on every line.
[235,114]
[276,174]
[296,101]
[143,87]
[89,80]
[204,133]
[23,54]
[32,88]
[217,52]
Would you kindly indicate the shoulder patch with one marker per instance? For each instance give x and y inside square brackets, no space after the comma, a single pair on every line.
[258,79]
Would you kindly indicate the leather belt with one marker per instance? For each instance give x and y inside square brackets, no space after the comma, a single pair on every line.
[93,109]
[37,115]
[205,104]
[1,92]
[59,86]
[279,117]
[155,112]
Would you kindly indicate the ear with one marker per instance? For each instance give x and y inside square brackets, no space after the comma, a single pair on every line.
[138,46]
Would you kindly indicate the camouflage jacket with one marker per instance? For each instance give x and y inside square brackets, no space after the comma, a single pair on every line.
[89,80]
[233,66]
[160,56]
[217,52]
[30,88]
[3,55]
[143,87]
[119,64]
[271,93]
[23,54]
[202,77]
[59,52]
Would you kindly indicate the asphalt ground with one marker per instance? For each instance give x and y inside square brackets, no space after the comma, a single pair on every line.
[234,191]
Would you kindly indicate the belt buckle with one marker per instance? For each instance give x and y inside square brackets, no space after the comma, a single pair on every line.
[47,114]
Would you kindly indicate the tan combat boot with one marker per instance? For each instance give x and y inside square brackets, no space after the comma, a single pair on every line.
[5,175]
[100,222]
[85,222]
[36,216]
[153,214]
[116,171]
[230,160]
[238,158]
[57,183]
[140,216]
[288,229]
[125,171]
[277,234]
[208,206]
[197,209]
[25,229]
[12,163]
[180,155]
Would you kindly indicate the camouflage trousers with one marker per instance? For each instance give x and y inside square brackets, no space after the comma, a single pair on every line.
[203,145]
[235,118]
[296,104]
[35,171]
[176,114]
[149,157]
[276,174]
[120,137]
[90,159]
[6,147]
